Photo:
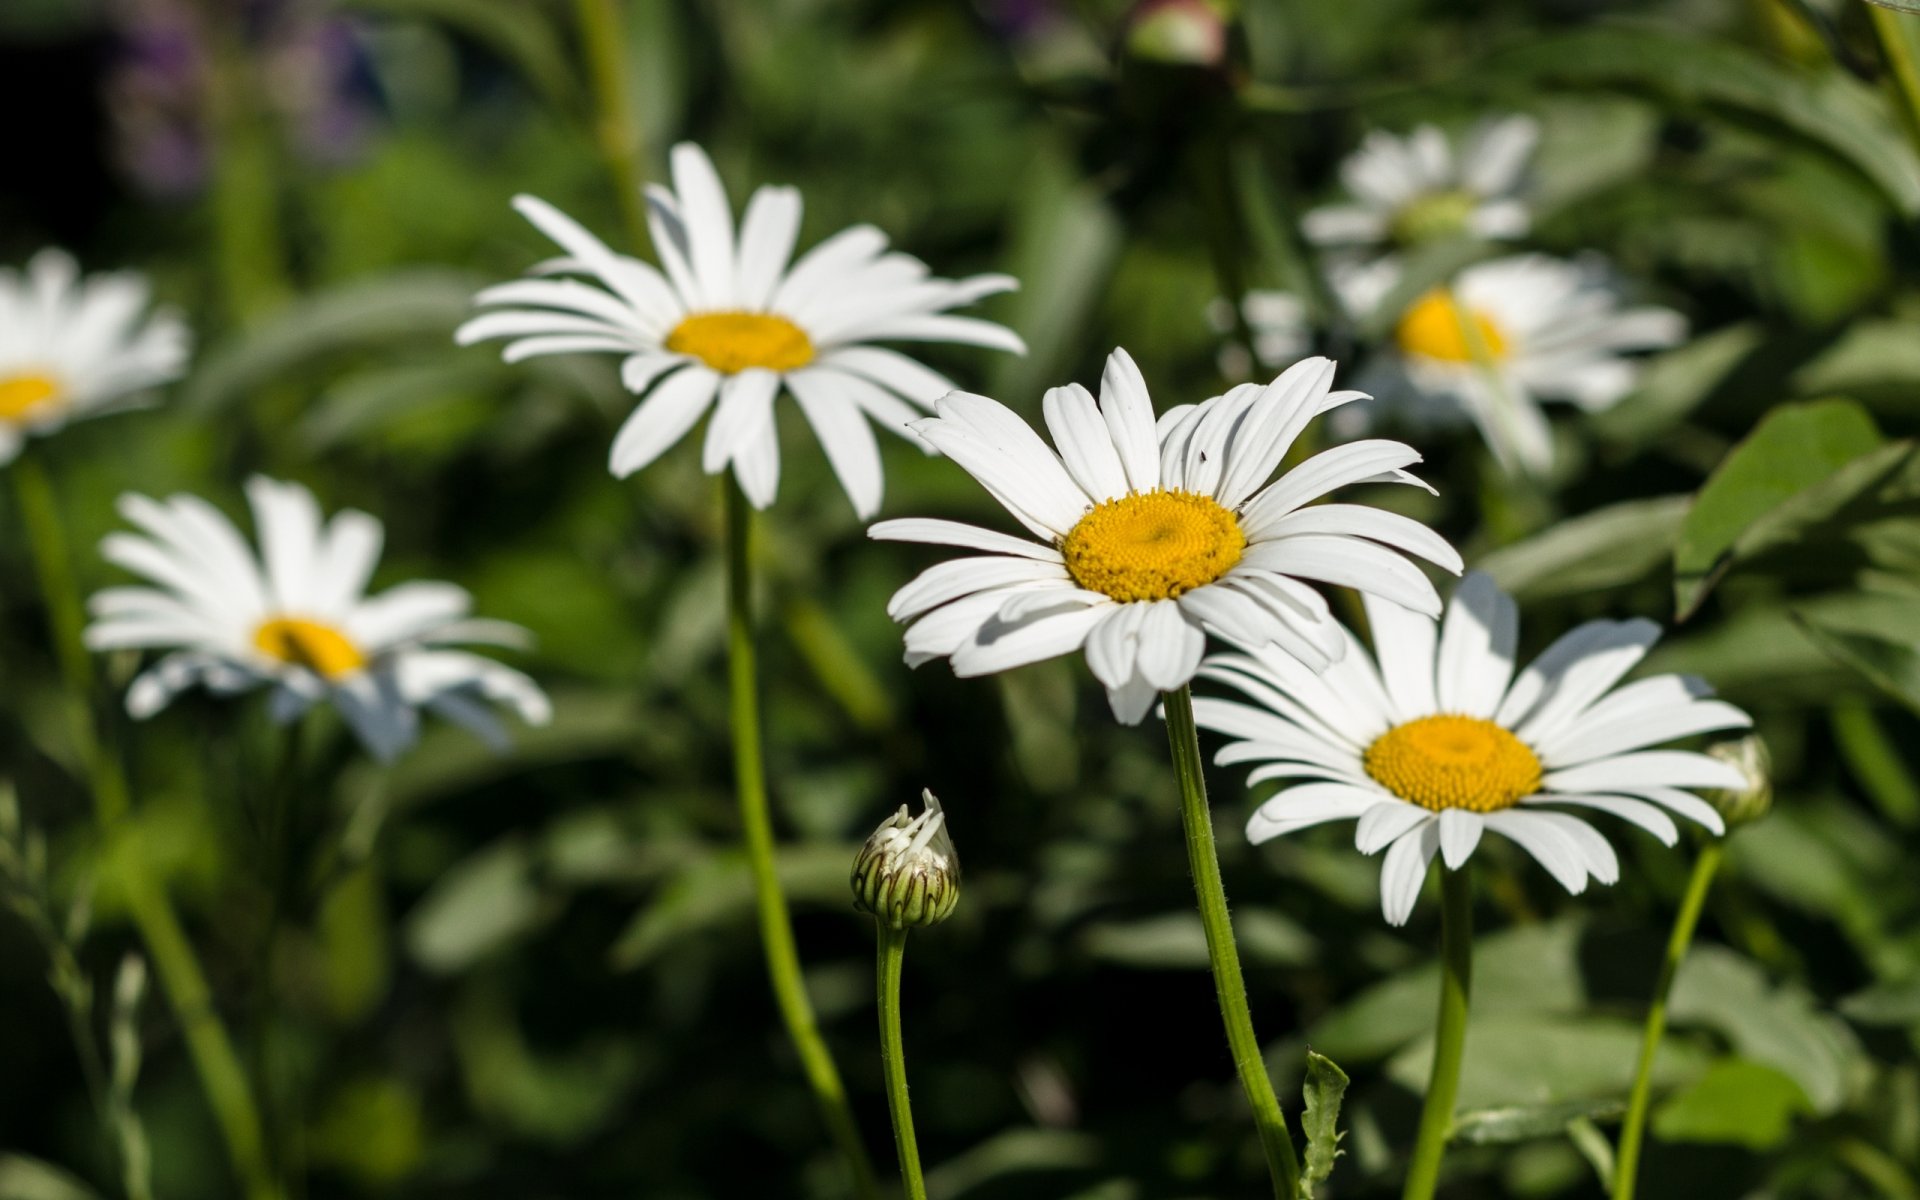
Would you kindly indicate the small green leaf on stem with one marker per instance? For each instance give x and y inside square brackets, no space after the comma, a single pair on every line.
[1325,1087]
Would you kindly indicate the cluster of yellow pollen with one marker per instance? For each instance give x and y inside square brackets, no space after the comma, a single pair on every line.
[315,645]
[731,342]
[1437,326]
[1152,545]
[23,395]
[1454,762]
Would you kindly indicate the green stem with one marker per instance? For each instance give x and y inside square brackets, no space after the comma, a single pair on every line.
[221,1075]
[1633,1130]
[248,248]
[1450,1034]
[893,1054]
[1204,860]
[776,924]
[1896,45]
[603,38]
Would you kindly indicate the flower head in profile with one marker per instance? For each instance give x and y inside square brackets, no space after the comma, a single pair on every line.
[1433,741]
[1420,188]
[73,347]
[1154,534]
[1509,334]
[731,321]
[296,618]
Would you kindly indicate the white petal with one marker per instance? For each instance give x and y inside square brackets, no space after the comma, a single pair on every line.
[1459,833]
[935,532]
[1384,824]
[288,518]
[662,419]
[1405,870]
[1357,520]
[962,576]
[709,222]
[1050,636]
[1647,768]
[744,411]
[1128,411]
[846,437]
[1477,642]
[1170,646]
[1349,562]
[1309,804]
[1636,812]
[1588,677]
[1084,442]
[767,233]
[1549,844]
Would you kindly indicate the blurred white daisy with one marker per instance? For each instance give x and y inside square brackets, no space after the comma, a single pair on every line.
[73,347]
[296,618]
[1152,536]
[1439,743]
[730,318]
[1508,334]
[1418,188]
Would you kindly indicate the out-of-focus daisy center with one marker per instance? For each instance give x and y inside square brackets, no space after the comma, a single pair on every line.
[1152,545]
[1433,216]
[1438,326]
[1454,762]
[315,645]
[731,342]
[28,393]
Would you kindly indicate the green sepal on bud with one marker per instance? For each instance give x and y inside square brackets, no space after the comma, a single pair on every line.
[1745,805]
[907,874]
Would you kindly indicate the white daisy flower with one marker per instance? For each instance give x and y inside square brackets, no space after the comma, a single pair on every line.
[1153,535]
[297,618]
[731,318]
[1416,188]
[73,347]
[1438,742]
[1510,333]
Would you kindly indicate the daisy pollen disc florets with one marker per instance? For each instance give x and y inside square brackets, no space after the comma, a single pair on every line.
[1153,545]
[23,395]
[1445,761]
[1439,326]
[731,342]
[315,645]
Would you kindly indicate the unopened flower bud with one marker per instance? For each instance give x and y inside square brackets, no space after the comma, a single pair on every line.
[1744,805]
[907,873]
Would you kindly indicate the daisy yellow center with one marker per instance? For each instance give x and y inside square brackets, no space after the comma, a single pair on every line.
[1438,326]
[1433,216]
[1454,762]
[24,395]
[1152,545]
[731,342]
[315,645]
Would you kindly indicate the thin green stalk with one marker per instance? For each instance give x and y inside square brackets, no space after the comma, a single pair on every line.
[1450,1034]
[1633,1130]
[221,1076]
[1896,45]
[776,924]
[603,38]
[893,1053]
[249,251]
[1204,860]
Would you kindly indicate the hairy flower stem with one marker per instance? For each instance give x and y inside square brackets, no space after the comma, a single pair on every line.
[1450,1034]
[603,39]
[893,1054]
[1633,1130]
[1204,860]
[776,923]
[221,1076]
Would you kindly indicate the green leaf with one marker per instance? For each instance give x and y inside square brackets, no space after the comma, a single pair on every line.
[1535,1060]
[1777,1026]
[516,32]
[1177,941]
[1609,547]
[1794,448]
[420,302]
[1893,1002]
[1736,1102]
[481,905]
[718,890]
[24,1178]
[1828,110]
[1325,1087]
[1877,636]
[1527,1122]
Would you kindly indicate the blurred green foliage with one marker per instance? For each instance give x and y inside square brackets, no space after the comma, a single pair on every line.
[535,975]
